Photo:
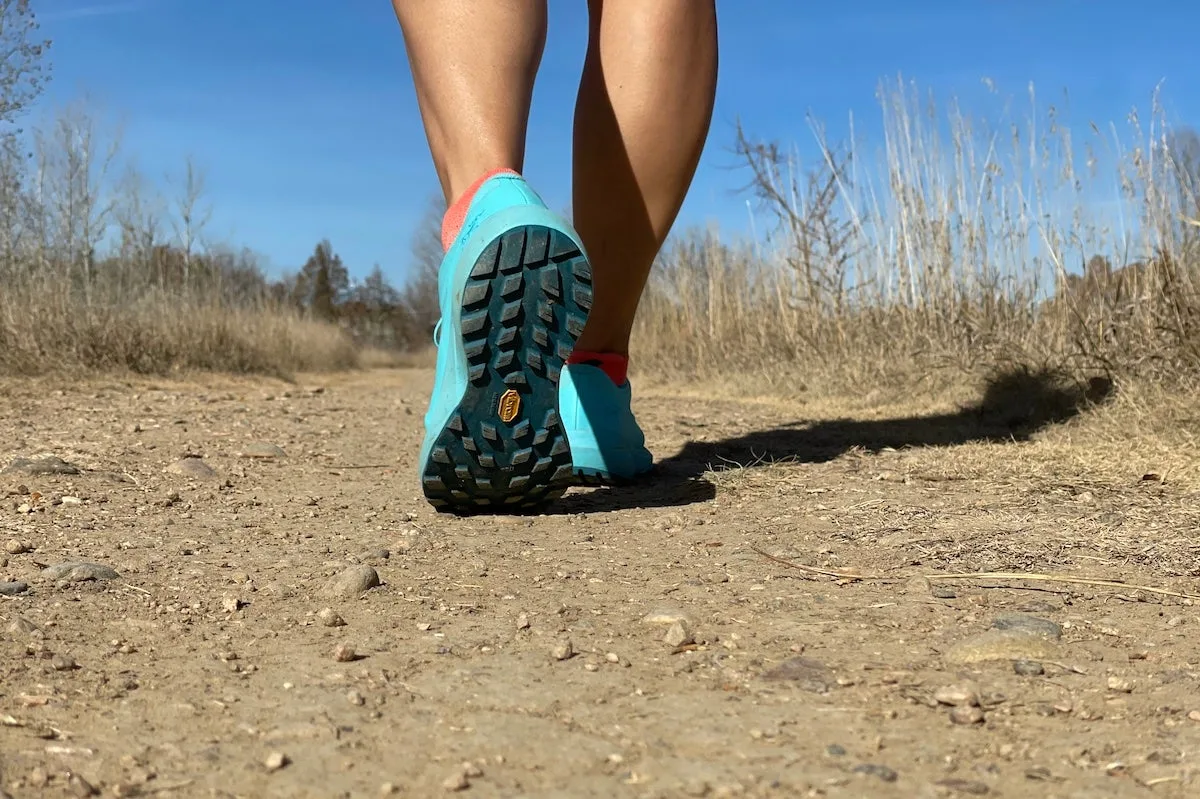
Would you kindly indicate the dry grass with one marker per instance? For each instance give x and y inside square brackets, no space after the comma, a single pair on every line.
[940,256]
[42,332]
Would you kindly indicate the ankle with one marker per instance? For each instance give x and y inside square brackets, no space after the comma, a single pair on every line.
[456,214]
[613,364]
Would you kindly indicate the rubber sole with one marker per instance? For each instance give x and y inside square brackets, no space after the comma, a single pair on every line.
[524,306]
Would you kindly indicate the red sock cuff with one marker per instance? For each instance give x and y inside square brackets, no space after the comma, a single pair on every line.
[612,364]
[456,214]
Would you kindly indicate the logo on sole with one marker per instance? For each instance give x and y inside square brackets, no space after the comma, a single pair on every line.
[510,406]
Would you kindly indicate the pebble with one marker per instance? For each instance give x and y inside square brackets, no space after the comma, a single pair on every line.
[970,787]
[353,582]
[1009,644]
[806,673]
[22,625]
[523,621]
[330,618]
[79,787]
[835,750]
[678,634]
[192,467]
[262,450]
[355,698]
[344,653]
[63,663]
[15,547]
[276,761]
[966,714]
[388,789]
[1028,668]
[666,616]
[457,781]
[957,696]
[1028,624]
[876,770]
[79,572]
[12,589]
[563,650]
[1120,685]
[230,603]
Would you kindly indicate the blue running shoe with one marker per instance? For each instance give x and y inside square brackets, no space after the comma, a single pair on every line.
[514,290]
[607,445]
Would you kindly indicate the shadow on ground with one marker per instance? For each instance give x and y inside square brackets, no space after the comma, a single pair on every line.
[1015,405]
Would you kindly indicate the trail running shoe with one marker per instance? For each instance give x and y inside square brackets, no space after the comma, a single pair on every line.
[607,445]
[514,289]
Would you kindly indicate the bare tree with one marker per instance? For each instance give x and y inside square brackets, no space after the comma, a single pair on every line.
[420,293]
[22,67]
[190,216]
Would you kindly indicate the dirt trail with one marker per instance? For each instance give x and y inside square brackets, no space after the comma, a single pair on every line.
[632,644]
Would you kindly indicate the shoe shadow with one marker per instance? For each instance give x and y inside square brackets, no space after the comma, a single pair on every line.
[1015,405]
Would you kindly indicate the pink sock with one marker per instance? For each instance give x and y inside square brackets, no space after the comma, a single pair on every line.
[456,214]
[612,364]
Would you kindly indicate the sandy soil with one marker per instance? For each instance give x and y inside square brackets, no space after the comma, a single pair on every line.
[217,639]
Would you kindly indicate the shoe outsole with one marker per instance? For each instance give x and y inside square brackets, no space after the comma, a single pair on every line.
[524,305]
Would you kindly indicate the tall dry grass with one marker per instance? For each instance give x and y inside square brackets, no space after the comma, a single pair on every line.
[101,273]
[949,249]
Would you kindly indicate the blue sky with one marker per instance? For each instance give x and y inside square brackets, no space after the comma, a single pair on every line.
[304,120]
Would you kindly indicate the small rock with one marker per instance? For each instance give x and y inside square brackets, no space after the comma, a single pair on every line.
[943,592]
[666,616]
[563,650]
[22,626]
[79,572]
[81,788]
[957,696]
[612,657]
[330,618]
[12,589]
[456,782]
[678,634]
[375,557]
[1028,624]
[876,770]
[261,450]
[355,698]
[835,750]
[353,582]
[344,653]
[192,467]
[1002,645]
[472,770]
[969,787]
[276,761]
[966,714]
[523,622]
[63,663]
[1120,685]
[69,500]
[808,674]
[388,789]
[40,466]
[1028,668]
[1194,715]
[231,604]
[15,547]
